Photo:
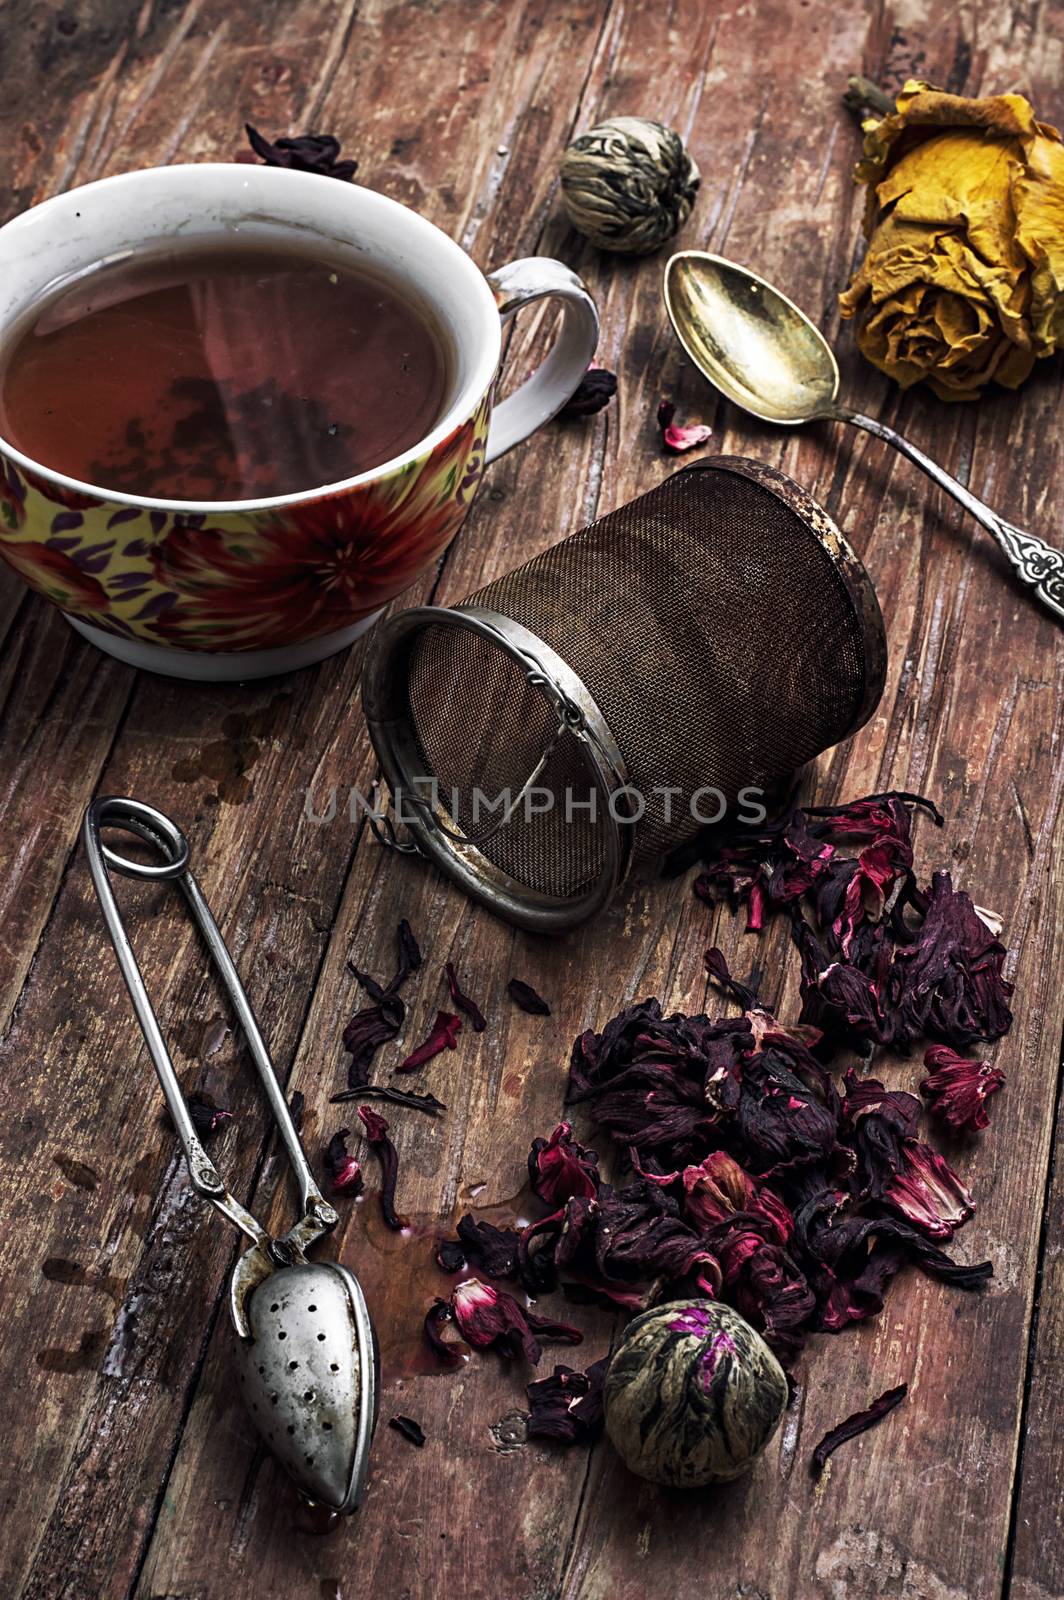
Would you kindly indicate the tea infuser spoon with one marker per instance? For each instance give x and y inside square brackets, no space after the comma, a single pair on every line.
[305,1345]
[764,354]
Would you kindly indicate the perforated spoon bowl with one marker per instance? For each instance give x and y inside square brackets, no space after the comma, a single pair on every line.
[764,354]
[305,1348]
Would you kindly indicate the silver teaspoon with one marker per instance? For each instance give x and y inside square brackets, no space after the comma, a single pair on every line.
[764,354]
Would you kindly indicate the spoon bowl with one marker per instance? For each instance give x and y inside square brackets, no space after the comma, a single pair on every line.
[750,341]
[764,354]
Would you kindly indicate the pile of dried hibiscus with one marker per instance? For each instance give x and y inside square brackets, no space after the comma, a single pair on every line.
[753,1171]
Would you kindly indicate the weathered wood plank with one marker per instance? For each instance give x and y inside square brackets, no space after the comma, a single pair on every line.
[757,1538]
[228,764]
[429,95]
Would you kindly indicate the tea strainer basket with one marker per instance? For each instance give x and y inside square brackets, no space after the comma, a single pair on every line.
[597,706]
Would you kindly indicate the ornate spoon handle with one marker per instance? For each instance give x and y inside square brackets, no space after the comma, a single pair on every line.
[1038,565]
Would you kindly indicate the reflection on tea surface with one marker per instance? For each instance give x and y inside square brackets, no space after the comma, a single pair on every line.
[221,373]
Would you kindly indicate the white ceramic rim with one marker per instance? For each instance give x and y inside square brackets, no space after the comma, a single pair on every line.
[424,237]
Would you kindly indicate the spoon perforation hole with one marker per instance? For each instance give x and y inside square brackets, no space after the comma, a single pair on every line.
[321,1338]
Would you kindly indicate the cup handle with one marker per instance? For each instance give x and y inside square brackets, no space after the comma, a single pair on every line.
[519,284]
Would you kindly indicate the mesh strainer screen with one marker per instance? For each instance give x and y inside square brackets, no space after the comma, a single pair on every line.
[721,626]
[481,726]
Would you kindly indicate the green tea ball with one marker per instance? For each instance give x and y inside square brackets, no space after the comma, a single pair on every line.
[628,184]
[693,1395]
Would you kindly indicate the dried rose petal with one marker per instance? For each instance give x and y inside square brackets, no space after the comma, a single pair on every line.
[957,1088]
[596,389]
[408,1428]
[675,439]
[559,1167]
[491,1318]
[567,1406]
[464,1002]
[207,1116]
[928,1192]
[376,1130]
[342,1170]
[860,1422]
[311,152]
[523,995]
[443,1036]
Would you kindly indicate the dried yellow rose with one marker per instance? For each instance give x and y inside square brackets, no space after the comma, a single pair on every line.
[964,276]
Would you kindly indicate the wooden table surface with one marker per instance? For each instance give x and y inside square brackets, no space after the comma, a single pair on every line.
[128,1468]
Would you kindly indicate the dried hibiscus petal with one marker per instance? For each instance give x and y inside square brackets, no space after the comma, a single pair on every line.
[676,440]
[491,1318]
[376,1131]
[311,152]
[442,1036]
[399,1097]
[718,1188]
[568,1405]
[523,995]
[957,1088]
[596,389]
[947,980]
[437,1317]
[928,1192]
[366,1032]
[207,1116]
[858,1423]
[492,1249]
[341,1168]
[464,1002]
[559,1167]
[408,1428]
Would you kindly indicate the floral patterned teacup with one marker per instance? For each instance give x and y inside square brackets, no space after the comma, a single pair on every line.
[241,589]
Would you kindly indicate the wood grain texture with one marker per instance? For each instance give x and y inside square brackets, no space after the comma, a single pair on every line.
[130,1470]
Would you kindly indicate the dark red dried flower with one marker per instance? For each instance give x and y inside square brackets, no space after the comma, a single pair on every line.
[366,1032]
[464,1002]
[675,440]
[523,995]
[858,1423]
[491,1318]
[342,1170]
[559,1167]
[436,1319]
[311,152]
[928,1192]
[957,1088]
[596,389]
[567,1406]
[408,1428]
[880,1121]
[376,1130]
[207,1116]
[443,1036]
[718,1188]
[493,1250]
[947,980]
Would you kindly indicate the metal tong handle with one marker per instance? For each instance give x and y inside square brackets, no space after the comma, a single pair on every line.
[157,830]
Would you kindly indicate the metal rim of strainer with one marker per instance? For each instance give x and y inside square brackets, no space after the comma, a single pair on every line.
[387,711]
[386,705]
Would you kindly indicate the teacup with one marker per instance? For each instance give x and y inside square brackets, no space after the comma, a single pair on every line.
[242,589]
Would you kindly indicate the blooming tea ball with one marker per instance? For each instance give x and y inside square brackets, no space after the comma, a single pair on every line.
[628,184]
[693,1394]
